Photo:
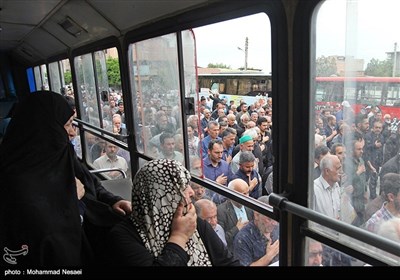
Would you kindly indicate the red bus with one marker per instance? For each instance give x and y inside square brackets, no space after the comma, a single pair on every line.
[360,92]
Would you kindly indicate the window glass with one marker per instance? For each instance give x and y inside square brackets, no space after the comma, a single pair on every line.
[155,76]
[38,77]
[191,94]
[55,77]
[103,106]
[320,254]
[356,99]
[45,80]
[87,90]
[60,77]
[234,71]
[66,77]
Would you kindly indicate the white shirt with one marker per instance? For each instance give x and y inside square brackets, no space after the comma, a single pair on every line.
[327,198]
[221,233]
[240,213]
[105,162]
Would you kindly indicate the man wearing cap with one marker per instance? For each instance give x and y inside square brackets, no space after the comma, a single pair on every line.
[246,143]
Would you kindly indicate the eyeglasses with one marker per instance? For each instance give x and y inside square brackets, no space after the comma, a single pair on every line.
[314,254]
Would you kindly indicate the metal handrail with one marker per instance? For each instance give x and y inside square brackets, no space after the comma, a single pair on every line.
[283,204]
[96,171]
[120,137]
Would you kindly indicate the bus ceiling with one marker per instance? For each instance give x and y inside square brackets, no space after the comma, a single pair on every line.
[35,30]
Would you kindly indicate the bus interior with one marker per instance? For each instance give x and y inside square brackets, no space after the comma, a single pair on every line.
[146,56]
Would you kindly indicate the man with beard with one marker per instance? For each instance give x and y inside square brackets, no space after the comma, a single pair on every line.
[247,173]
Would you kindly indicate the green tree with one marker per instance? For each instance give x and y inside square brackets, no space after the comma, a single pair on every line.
[218,65]
[379,68]
[67,77]
[113,73]
[326,66]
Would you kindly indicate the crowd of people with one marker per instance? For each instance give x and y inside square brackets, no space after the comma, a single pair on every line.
[356,169]
[171,220]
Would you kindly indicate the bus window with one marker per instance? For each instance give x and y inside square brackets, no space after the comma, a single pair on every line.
[57,72]
[246,76]
[38,77]
[351,96]
[155,77]
[193,127]
[103,104]
[54,75]
[360,92]
[45,80]
[240,83]
[87,90]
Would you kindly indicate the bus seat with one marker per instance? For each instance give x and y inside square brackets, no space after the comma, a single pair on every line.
[121,187]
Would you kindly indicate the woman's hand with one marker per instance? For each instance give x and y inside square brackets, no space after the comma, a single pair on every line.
[183,226]
[80,189]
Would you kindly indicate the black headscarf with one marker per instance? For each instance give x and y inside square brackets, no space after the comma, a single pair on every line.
[38,198]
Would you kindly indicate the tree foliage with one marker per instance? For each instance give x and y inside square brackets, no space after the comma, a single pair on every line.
[114,75]
[68,77]
[326,66]
[379,68]
[218,65]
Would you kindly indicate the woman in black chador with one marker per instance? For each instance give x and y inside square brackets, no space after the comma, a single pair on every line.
[40,223]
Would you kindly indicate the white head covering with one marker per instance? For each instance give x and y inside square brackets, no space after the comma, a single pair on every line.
[346,104]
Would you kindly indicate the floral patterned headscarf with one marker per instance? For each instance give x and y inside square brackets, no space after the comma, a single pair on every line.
[157,191]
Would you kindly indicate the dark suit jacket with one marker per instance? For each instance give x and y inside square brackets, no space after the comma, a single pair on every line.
[228,220]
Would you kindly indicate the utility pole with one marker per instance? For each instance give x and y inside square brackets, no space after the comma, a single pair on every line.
[246,52]
[394,60]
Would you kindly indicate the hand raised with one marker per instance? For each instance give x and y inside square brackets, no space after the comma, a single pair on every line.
[183,225]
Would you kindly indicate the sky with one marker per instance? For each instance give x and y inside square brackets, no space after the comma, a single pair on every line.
[375,28]
[370,34]
[218,43]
